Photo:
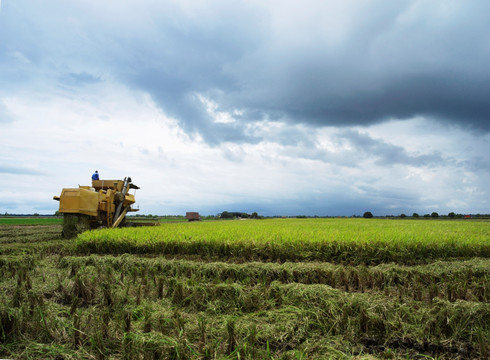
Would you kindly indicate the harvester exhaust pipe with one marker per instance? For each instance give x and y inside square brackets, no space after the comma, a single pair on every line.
[127,181]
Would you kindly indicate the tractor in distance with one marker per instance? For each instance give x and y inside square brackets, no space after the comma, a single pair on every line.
[104,204]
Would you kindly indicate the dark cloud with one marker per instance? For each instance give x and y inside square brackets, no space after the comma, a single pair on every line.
[363,81]
[429,59]
[342,203]
[448,98]
[476,164]
[362,148]
[178,98]
[386,154]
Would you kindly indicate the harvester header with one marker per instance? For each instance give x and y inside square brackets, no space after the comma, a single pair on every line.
[104,204]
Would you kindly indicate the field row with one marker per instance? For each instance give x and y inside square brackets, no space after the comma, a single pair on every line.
[465,280]
[131,307]
[342,241]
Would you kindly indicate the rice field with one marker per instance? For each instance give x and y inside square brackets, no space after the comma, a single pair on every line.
[259,289]
[350,241]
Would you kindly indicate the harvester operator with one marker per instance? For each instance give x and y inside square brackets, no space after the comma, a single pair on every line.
[95,176]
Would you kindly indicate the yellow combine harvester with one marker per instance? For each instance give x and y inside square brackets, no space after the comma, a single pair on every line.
[104,204]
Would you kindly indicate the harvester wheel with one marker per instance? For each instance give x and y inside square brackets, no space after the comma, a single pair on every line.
[74,224]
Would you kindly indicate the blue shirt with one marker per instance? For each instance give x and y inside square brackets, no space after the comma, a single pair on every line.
[95,176]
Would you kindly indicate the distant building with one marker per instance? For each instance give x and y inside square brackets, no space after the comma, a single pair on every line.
[192,216]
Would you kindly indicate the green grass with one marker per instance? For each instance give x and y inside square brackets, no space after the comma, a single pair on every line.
[349,241]
[177,219]
[30,221]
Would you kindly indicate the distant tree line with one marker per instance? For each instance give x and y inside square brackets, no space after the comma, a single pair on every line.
[243,215]
[238,214]
[433,215]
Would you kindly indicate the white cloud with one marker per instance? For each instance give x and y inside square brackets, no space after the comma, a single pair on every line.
[317,108]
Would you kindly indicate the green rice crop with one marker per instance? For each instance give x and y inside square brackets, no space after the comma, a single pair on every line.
[349,241]
[57,302]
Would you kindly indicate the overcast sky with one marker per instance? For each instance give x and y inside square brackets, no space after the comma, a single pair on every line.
[280,107]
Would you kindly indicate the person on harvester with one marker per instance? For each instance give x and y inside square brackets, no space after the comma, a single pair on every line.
[95,176]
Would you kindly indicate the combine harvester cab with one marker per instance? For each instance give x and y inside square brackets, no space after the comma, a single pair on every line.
[104,204]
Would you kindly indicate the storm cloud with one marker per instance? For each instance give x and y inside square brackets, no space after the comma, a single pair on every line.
[319,63]
[282,98]
[396,61]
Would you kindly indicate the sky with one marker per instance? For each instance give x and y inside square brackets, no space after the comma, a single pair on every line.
[281,107]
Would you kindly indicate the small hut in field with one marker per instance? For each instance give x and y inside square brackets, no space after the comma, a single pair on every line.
[192,216]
